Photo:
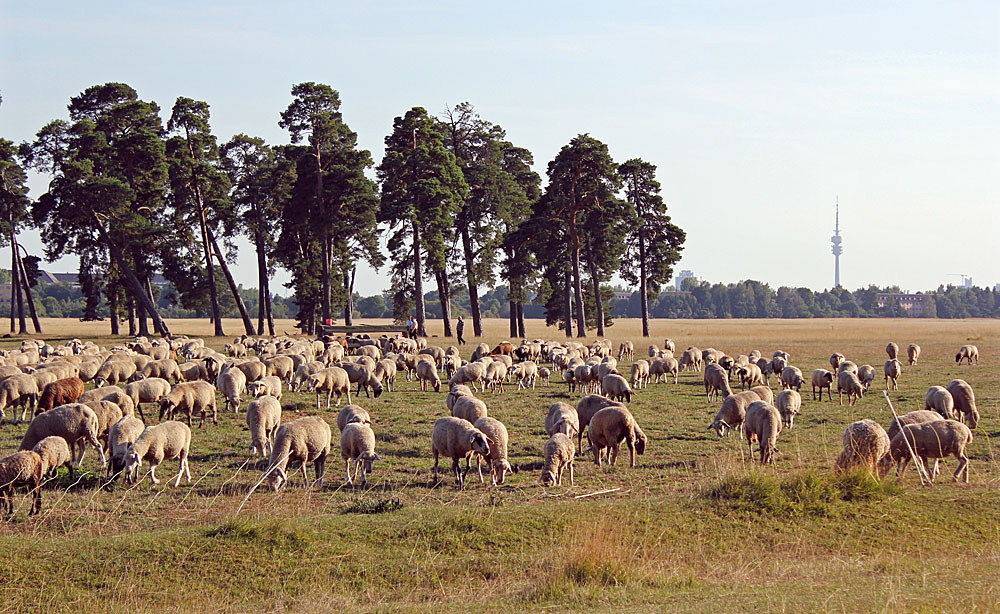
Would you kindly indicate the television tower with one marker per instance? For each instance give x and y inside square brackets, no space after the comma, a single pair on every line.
[837,249]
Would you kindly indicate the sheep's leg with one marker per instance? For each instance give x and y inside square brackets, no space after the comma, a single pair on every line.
[364,472]
[305,474]
[570,471]
[348,463]
[614,454]
[435,466]
[456,469]
[152,473]
[180,472]
[963,469]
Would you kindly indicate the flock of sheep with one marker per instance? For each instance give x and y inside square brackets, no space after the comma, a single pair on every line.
[49,382]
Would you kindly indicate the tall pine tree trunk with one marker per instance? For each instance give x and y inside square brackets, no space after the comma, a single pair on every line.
[210,273]
[267,299]
[113,307]
[444,295]
[512,317]
[476,312]
[15,282]
[418,283]
[520,320]
[27,293]
[598,300]
[568,307]
[643,299]
[349,288]
[581,314]
[131,317]
[247,323]
[130,277]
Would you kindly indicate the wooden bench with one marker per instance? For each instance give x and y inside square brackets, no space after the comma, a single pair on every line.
[358,329]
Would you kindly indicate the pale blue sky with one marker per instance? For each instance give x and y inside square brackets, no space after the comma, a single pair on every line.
[758,114]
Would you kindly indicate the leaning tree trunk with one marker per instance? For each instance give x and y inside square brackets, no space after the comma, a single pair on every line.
[418,284]
[476,312]
[247,323]
[210,273]
[132,280]
[568,306]
[444,295]
[27,293]
[598,300]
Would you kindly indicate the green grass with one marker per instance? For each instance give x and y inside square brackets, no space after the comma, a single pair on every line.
[694,527]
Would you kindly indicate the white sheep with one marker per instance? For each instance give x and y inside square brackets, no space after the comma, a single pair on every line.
[469,409]
[456,439]
[835,360]
[496,436]
[305,440]
[357,447]
[330,380]
[616,388]
[763,424]
[263,418]
[19,390]
[912,354]
[562,418]
[663,366]
[848,382]
[149,390]
[965,402]
[892,369]
[73,422]
[967,352]
[938,439]
[232,383]
[640,374]
[788,403]
[165,441]
[427,374]
[609,427]
[865,442]
[559,452]
[733,412]
[121,435]
[892,350]
[54,452]
[821,378]
[472,374]
[940,400]
[190,397]
[269,385]
[716,382]
[866,375]
[791,377]
[21,468]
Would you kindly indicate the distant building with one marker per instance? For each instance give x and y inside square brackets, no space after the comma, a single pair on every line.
[685,274]
[70,279]
[623,295]
[913,304]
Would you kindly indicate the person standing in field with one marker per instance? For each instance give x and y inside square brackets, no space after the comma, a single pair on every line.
[411,328]
[460,328]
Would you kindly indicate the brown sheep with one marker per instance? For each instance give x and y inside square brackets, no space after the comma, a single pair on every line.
[60,392]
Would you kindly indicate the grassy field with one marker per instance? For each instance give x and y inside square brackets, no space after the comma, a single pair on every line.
[694,527]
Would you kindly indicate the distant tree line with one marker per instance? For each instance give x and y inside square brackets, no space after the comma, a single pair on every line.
[459,205]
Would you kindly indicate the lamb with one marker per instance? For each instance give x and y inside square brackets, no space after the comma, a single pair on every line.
[469,409]
[19,469]
[821,378]
[263,418]
[789,402]
[269,385]
[164,369]
[74,423]
[456,439]
[496,436]
[749,375]
[865,442]
[54,452]
[791,377]
[835,360]
[940,400]
[60,392]
[306,440]
[544,374]
[19,390]
[616,388]
[190,397]
[609,427]
[912,354]
[763,424]
[120,436]
[496,373]
[661,367]
[559,452]
[892,369]
[965,402]
[716,382]
[562,418]
[640,374]
[892,350]
[165,441]
[914,417]
[331,380]
[232,382]
[357,446]
[849,383]
[733,413]
[149,390]
[938,439]
[967,352]
[866,375]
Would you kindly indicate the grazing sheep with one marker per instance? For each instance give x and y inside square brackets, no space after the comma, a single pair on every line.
[165,441]
[232,383]
[54,452]
[110,393]
[74,422]
[19,390]
[305,440]
[114,372]
[967,352]
[496,435]
[60,392]
[788,402]
[472,374]
[469,409]
[190,397]
[120,436]
[732,413]
[866,375]
[938,439]
[912,354]
[330,380]
[263,418]
[865,442]
[821,378]
[940,400]
[24,468]
[351,414]
[357,447]
[965,402]
[847,365]
[526,374]
[269,385]
[385,371]
[609,427]
[559,452]
[640,374]
[835,360]
[764,392]
[848,382]
[763,424]
[496,373]
[456,391]
[281,366]
[302,373]
[791,377]
[107,414]
[663,366]
[716,382]
[691,358]
[544,374]
[193,371]
[914,417]
[164,369]
[626,351]
[562,418]
[456,439]
[585,410]
[749,376]
[778,364]
[892,350]
[149,390]
[892,369]
[252,368]
[616,388]
[364,376]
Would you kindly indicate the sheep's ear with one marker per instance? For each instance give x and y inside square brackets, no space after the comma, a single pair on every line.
[375,456]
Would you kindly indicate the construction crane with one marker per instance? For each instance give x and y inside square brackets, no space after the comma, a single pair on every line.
[966,279]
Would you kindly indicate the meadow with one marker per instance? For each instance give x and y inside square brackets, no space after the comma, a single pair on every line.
[694,527]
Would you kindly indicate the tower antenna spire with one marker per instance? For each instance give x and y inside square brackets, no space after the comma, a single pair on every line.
[837,249]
